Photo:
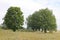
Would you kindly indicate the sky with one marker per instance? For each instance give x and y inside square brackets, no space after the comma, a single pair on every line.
[30,6]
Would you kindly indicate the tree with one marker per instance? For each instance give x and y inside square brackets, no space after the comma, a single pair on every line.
[34,21]
[14,18]
[42,19]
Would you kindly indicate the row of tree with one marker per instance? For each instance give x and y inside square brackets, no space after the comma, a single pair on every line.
[43,20]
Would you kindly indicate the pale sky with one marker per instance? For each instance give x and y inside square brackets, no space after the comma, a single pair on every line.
[30,6]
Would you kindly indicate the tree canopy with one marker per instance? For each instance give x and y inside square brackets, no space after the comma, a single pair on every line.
[14,18]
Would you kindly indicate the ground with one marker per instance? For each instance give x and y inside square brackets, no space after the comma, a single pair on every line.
[10,35]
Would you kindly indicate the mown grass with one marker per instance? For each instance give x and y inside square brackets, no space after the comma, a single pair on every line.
[10,35]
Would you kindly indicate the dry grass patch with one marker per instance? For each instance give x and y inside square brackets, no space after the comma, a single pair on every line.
[10,35]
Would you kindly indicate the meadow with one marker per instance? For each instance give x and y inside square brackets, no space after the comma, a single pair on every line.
[10,35]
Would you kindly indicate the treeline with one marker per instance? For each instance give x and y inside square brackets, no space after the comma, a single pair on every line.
[42,20]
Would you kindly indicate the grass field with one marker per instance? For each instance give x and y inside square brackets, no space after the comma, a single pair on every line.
[10,35]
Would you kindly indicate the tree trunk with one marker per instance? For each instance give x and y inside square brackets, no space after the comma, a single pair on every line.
[45,31]
[42,30]
[14,30]
[39,29]
[33,29]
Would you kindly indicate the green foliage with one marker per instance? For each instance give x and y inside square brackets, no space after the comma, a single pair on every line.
[42,19]
[13,18]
